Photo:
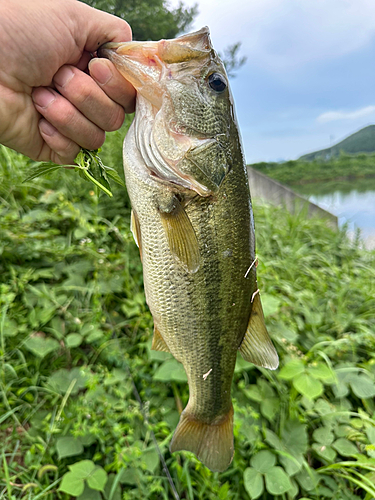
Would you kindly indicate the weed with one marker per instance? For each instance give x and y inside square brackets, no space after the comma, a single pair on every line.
[75,342]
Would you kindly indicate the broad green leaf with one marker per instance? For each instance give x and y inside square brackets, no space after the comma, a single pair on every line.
[292,464]
[150,458]
[308,385]
[170,370]
[249,430]
[274,440]
[62,379]
[89,494]
[83,468]
[269,407]
[277,482]
[94,336]
[41,346]
[88,439]
[308,479]
[73,340]
[292,369]
[294,437]
[283,331]
[363,386]
[159,355]
[253,393]
[323,407]
[116,376]
[293,492]
[325,451]
[131,476]
[345,447]
[253,482]
[72,484]
[343,430]
[97,479]
[322,372]
[265,389]
[10,328]
[68,447]
[323,435]
[270,303]
[263,461]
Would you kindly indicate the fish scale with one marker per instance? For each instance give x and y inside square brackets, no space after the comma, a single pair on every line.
[192,220]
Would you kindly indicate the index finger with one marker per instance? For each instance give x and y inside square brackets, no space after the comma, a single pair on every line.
[113,83]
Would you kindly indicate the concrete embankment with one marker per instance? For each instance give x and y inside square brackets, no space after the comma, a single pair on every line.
[262,186]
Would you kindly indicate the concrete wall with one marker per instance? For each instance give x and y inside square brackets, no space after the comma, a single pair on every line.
[262,186]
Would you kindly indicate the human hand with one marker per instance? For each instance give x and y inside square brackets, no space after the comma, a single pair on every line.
[54,98]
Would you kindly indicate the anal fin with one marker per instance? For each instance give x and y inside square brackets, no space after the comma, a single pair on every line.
[257,347]
[212,442]
[158,343]
[181,236]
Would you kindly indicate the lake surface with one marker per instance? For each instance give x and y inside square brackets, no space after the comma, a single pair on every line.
[353,202]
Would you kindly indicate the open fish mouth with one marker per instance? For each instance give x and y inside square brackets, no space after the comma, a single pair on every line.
[145,64]
[148,66]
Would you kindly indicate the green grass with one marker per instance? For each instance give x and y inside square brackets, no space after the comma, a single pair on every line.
[75,358]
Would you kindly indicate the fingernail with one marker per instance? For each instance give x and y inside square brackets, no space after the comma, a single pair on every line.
[100,71]
[63,76]
[47,128]
[43,97]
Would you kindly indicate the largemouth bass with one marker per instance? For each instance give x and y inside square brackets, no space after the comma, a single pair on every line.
[192,220]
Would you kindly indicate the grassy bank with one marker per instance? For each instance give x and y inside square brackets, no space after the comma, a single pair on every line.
[296,172]
[75,354]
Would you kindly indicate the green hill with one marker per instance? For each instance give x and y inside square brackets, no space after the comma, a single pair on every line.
[362,141]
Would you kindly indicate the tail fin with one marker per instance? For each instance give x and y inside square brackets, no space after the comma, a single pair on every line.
[211,443]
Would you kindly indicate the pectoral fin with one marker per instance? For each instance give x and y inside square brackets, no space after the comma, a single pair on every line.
[158,343]
[257,346]
[181,236]
[136,230]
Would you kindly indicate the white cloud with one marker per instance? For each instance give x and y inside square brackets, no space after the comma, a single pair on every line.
[280,34]
[331,116]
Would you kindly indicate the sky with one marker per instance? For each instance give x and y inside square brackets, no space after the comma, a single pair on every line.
[309,78]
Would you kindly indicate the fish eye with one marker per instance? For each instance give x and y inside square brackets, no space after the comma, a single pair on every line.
[217,82]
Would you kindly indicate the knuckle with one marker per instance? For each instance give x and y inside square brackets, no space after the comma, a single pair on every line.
[96,140]
[63,115]
[86,98]
[116,120]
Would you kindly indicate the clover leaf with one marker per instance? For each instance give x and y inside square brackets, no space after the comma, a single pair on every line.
[73,482]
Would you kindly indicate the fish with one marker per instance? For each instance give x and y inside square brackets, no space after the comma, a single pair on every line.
[192,220]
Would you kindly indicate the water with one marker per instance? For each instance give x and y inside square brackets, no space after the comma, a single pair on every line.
[353,202]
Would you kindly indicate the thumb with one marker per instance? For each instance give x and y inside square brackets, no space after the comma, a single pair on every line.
[102,27]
